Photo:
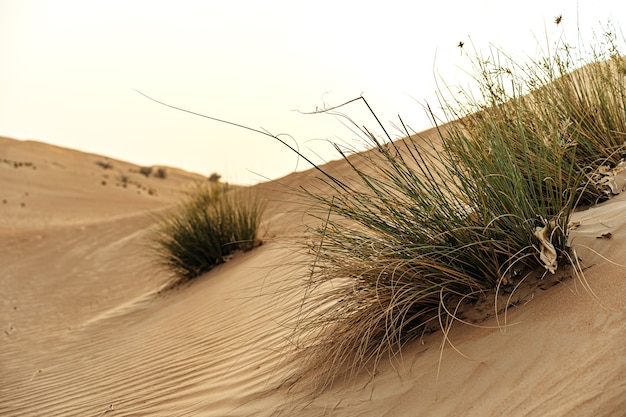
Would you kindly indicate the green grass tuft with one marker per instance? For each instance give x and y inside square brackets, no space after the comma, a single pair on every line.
[425,222]
[212,223]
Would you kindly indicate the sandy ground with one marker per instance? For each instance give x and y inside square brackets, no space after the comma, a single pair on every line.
[85,331]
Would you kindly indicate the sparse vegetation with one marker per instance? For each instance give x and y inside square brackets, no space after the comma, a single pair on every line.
[145,171]
[424,225]
[161,173]
[19,164]
[127,181]
[212,223]
[214,177]
[104,165]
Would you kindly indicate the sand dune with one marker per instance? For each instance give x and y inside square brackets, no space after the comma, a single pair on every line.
[86,332]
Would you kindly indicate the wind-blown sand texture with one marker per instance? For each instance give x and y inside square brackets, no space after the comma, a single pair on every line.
[86,332]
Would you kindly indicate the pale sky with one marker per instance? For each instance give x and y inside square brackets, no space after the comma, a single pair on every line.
[68,70]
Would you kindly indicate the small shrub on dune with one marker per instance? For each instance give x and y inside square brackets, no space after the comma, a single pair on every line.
[161,172]
[145,171]
[212,223]
[214,177]
[104,165]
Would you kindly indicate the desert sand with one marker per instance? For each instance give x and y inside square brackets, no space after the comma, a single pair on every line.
[87,331]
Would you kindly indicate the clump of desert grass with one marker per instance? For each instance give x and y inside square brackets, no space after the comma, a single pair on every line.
[214,221]
[565,98]
[424,224]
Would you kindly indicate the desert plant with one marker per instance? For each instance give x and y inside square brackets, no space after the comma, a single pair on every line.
[425,223]
[212,223]
[145,171]
[161,172]
[575,100]
[104,164]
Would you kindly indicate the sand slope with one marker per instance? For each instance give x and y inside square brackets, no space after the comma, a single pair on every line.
[85,331]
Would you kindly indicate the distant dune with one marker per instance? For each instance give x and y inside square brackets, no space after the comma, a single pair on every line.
[86,332]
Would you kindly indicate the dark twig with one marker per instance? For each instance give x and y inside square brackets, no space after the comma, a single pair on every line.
[262,132]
